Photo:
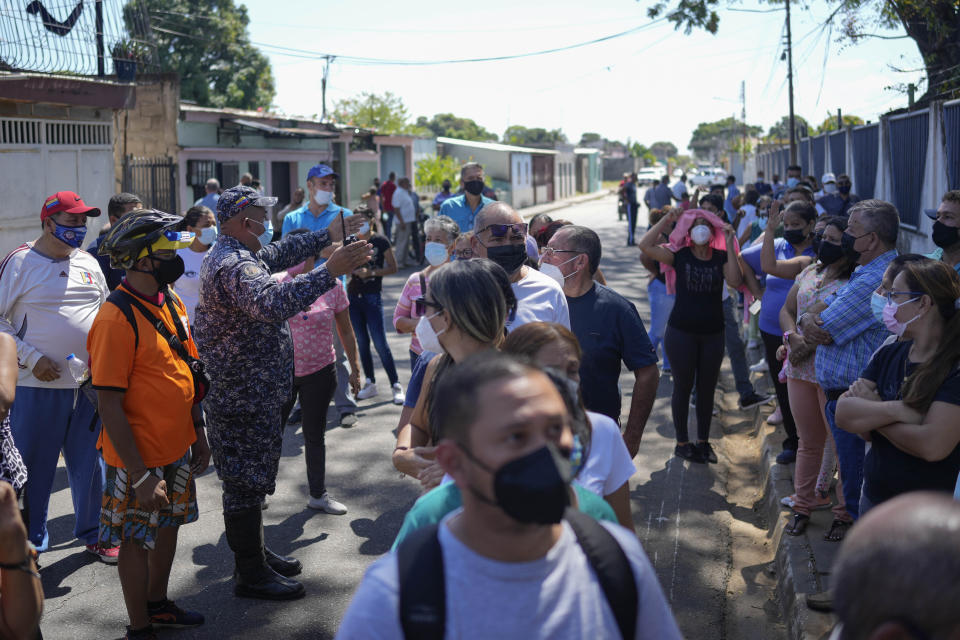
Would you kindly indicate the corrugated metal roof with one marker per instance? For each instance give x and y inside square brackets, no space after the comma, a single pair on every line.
[495,146]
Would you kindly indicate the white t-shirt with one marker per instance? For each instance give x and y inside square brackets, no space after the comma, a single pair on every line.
[539,298]
[608,463]
[188,286]
[678,190]
[48,307]
[750,214]
[557,596]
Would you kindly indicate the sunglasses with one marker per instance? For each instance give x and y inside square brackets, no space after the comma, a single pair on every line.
[501,230]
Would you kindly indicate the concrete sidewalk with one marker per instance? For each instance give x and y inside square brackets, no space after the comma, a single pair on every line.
[547,207]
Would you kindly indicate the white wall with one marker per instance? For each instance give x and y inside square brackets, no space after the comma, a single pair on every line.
[521,179]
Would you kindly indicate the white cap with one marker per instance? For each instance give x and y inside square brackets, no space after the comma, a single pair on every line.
[828,177]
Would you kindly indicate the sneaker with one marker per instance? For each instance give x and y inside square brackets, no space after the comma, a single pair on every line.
[140,634]
[753,399]
[296,416]
[789,501]
[760,367]
[398,396]
[369,390]
[347,420]
[786,456]
[776,417]
[327,504]
[167,614]
[688,452]
[705,449]
[109,555]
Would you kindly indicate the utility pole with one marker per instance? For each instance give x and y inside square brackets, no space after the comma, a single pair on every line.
[743,123]
[793,130]
[98,27]
[323,86]
[839,120]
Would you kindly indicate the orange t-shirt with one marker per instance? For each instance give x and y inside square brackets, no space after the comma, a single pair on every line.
[157,382]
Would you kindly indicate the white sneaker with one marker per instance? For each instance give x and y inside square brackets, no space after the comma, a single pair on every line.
[327,504]
[760,367]
[369,390]
[398,396]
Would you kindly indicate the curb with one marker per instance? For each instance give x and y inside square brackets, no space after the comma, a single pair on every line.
[529,212]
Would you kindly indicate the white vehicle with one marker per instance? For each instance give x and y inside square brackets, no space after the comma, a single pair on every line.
[707,177]
[648,175]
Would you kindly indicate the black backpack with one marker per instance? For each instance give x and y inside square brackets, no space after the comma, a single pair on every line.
[421,578]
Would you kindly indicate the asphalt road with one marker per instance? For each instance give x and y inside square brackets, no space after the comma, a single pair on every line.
[697,523]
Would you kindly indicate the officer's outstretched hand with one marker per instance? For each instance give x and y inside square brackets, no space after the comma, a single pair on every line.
[350,224]
[345,259]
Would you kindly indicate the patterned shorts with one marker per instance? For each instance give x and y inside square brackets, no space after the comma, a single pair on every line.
[122,519]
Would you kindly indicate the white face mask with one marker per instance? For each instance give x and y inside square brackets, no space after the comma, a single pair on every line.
[429,339]
[554,271]
[830,188]
[323,198]
[701,234]
[435,253]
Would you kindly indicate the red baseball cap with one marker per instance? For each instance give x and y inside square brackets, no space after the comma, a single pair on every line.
[66,202]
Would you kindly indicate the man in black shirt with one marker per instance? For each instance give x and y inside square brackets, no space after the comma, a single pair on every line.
[609,330]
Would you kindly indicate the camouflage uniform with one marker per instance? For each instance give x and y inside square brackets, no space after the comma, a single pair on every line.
[241,333]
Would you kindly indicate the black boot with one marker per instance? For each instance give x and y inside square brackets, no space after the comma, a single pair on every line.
[284,565]
[254,577]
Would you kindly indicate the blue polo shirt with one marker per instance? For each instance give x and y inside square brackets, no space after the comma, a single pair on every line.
[303,218]
[460,212]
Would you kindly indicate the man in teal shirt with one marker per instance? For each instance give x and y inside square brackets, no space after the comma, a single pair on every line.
[463,208]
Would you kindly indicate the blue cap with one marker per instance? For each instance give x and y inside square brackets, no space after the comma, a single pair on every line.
[320,171]
[235,199]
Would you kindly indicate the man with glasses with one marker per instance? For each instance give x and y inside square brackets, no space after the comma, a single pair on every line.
[500,235]
[838,203]
[609,330]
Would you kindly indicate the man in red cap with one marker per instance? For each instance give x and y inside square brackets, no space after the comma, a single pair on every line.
[50,292]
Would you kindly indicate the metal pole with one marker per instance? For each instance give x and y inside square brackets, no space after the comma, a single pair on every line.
[793,131]
[98,26]
[839,120]
[323,87]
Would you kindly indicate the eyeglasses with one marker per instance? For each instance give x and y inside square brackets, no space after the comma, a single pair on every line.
[501,230]
[889,295]
[546,252]
[464,253]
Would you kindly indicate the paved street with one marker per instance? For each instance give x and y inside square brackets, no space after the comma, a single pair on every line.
[697,523]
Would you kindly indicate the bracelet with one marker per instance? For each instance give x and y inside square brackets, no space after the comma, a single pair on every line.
[146,474]
[24,566]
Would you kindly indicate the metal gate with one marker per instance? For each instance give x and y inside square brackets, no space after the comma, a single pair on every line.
[154,180]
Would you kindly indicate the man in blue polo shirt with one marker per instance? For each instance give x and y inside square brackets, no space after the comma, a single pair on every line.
[316,215]
[463,209]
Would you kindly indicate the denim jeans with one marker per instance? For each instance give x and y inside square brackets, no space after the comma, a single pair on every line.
[631,221]
[661,305]
[366,315]
[850,450]
[735,350]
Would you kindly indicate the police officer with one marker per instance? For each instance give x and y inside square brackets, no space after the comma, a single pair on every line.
[242,337]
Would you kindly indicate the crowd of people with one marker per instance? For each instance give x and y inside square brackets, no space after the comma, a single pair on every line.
[238,320]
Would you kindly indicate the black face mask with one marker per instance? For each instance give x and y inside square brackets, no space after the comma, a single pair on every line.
[531,489]
[509,256]
[844,189]
[944,236]
[795,236]
[167,271]
[846,243]
[829,253]
[473,187]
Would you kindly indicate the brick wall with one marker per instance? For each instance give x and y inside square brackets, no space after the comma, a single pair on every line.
[150,128]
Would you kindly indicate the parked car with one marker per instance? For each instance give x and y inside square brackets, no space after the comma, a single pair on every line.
[648,175]
[707,177]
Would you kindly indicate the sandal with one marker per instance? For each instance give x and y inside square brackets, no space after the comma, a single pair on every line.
[797,525]
[837,530]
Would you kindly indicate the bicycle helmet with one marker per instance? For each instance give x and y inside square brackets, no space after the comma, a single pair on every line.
[141,232]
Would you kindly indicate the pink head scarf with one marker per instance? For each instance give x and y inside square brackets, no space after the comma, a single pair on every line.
[680,238]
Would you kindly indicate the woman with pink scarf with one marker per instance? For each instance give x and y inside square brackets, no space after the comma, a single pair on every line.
[701,254]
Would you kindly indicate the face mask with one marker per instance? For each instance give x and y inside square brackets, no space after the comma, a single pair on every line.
[323,198]
[531,489]
[553,270]
[830,188]
[267,234]
[792,182]
[167,272]
[762,221]
[71,236]
[701,234]
[794,236]
[944,236]
[435,253]
[890,317]
[829,253]
[877,303]
[473,187]
[509,256]
[844,189]
[208,235]
[846,243]
[429,339]
[364,228]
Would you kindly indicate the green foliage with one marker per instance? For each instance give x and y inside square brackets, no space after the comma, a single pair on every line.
[206,43]
[713,138]
[384,113]
[781,130]
[830,124]
[130,50]
[638,150]
[663,150]
[536,137]
[433,170]
[449,125]
[589,139]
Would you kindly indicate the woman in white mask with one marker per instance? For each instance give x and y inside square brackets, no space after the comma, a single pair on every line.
[463,311]
[441,237]
[201,221]
[701,255]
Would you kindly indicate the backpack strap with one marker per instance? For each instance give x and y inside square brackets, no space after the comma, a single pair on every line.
[122,302]
[421,580]
[612,567]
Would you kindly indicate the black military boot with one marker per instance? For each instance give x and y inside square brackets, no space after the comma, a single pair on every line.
[254,577]
[284,565]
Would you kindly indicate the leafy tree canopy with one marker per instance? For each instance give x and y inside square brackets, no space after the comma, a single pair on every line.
[433,170]
[384,113]
[449,125]
[590,139]
[781,130]
[535,137]
[710,139]
[830,124]
[206,43]
[663,150]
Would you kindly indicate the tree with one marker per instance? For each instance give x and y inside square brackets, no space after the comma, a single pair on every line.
[780,132]
[934,25]
[591,140]
[830,124]
[536,137]
[449,125]
[206,43]
[384,113]
[663,150]
[712,139]
[637,150]
[431,171]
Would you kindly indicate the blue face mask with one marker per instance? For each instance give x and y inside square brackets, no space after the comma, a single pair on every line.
[71,236]
[877,303]
[267,236]
[792,182]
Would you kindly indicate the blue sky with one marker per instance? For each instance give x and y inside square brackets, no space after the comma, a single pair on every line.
[655,84]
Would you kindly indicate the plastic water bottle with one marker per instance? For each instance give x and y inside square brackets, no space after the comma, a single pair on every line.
[81,375]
